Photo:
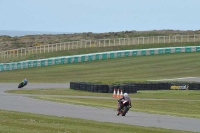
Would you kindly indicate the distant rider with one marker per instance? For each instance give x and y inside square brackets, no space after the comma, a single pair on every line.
[125,97]
[25,81]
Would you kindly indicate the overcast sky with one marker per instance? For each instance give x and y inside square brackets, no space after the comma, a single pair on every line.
[99,15]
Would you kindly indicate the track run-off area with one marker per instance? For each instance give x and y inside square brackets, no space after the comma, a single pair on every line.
[21,103]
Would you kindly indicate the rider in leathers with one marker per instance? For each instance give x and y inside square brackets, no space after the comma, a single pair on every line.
[125,97]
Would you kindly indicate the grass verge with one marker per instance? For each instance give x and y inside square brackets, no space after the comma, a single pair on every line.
[16,122]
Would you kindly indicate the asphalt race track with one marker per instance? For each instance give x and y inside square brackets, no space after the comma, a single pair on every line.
[21,103]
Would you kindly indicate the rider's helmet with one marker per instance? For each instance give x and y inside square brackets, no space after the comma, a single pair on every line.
[125,94]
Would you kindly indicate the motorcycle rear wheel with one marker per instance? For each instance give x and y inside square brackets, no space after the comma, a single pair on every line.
[125,110]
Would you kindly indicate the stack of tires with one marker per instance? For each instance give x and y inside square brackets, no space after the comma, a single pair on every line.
[86,86]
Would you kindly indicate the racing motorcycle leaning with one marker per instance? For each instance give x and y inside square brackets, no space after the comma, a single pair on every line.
[22,84]
[125,106]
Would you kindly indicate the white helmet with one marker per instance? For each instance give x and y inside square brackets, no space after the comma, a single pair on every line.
[126,94]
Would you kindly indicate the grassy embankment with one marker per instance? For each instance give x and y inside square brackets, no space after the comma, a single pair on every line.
[15,122]
[110,71]
[93,50]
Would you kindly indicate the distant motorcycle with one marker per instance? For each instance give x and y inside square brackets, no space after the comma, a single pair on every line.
[125,107]
[22,84]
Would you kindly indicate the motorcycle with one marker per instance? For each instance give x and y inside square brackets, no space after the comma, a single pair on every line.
[125,107]
[21,85]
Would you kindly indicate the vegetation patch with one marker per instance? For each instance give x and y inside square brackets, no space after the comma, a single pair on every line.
[16,122]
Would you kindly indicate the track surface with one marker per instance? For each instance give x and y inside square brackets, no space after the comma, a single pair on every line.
[21,103]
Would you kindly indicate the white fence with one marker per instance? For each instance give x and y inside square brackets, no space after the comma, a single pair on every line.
[97,43]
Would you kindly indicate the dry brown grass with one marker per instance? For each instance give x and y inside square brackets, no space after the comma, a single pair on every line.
[7,42]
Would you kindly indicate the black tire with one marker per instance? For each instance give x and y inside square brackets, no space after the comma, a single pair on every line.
[20,85]
[125,110]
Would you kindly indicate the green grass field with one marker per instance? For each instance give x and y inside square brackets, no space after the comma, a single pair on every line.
[15,122]
[109,71]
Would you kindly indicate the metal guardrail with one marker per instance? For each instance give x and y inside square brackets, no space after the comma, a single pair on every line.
[97,43]
[95,56]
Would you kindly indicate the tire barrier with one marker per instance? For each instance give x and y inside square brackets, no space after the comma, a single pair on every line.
[153,86]
[102,88]
[132,87]
[85,86]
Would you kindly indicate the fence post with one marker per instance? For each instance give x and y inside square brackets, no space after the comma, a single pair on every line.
[164,39]
[67,45]
[73,45]
[28,51]
[181,38]
[98,43]
[56,46]
[143,40]
[175,38]
[153,39]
